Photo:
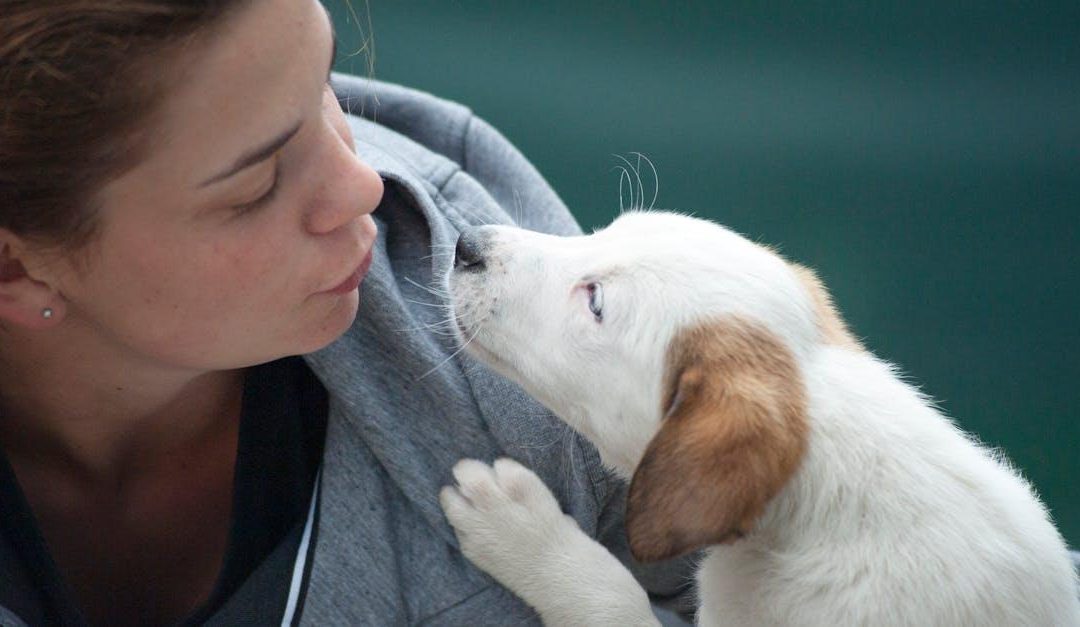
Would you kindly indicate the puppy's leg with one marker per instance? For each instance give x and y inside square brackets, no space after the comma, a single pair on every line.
[510,525]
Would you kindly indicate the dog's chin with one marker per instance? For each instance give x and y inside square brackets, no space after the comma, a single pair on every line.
[488,358]
[475,347]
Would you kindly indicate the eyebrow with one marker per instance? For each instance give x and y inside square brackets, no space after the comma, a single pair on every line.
[265,151]
[256,155]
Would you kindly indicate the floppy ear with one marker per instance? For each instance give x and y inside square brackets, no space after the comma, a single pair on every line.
[734,431]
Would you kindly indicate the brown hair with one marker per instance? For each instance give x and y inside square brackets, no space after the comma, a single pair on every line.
[78,80]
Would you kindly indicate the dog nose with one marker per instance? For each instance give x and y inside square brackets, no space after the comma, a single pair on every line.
[469,252]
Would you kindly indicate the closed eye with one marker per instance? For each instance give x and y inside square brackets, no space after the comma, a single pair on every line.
[263,200]
[271,193]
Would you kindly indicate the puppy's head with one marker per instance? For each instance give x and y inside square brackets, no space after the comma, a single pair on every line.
[672,343]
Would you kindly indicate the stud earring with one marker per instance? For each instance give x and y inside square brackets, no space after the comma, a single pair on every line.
[46,313]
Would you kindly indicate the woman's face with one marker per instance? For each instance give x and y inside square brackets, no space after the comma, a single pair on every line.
[209,257]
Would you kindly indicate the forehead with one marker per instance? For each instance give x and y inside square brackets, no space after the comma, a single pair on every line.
[678,232]
[685,271]
[235,84]
[676,244]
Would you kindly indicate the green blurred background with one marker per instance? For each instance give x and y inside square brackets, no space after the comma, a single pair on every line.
[923,156]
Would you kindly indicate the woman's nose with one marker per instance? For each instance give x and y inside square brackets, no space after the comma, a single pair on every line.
[352,189]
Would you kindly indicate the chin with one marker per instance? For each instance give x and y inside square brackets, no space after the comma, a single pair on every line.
[334,323]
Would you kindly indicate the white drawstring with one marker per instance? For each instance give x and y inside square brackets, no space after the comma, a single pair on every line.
[301,557]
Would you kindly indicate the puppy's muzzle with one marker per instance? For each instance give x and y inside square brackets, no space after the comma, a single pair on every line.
[472,246]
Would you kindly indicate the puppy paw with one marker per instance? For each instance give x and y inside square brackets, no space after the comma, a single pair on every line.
[510,525]
[506,520]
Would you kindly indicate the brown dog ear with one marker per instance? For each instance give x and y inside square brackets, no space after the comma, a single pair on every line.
[733,433]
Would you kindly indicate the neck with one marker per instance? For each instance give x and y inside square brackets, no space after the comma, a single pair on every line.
[620,431]
[864,422]
[100,416]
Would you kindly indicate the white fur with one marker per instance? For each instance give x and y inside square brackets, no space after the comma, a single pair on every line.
[509,524]
[895,516]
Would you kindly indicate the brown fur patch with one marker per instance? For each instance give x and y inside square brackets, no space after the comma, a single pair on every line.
[733,433]
[832,327]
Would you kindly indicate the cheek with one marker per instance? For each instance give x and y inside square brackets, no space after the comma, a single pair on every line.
[195,279]
[239,272]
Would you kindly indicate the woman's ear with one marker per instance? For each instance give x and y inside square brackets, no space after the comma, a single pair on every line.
[25,301]
[733,433]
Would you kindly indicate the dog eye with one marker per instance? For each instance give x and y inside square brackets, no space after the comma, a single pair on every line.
[596,300]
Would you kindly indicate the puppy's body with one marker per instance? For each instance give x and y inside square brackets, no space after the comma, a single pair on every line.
[717,378]
[895,517]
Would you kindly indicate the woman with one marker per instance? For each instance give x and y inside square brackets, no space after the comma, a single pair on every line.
[184,209]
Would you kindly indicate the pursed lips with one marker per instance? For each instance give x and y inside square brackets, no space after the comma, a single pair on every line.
[350,282]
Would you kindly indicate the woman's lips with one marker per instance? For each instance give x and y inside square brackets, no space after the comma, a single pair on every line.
[353,280]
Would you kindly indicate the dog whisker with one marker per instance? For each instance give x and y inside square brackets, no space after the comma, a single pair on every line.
[441,251]
[483,217]
[656,179]
[449,255]
[635,184]
[448,322]
[637,176]
[640,204]
[519,207]
[443,294]
[624,176]
[464,344]
[438,328]
[422,303]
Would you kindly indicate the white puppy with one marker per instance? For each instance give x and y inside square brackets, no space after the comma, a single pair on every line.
[718,379]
